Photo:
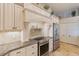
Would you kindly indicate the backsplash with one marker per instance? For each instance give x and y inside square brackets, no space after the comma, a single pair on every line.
[7,37]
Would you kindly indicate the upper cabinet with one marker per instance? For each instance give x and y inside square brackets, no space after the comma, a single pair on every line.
[19,18]
[11,17]
[8,16]
[1,17]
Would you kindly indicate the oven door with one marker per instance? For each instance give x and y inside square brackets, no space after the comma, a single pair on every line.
[44,48]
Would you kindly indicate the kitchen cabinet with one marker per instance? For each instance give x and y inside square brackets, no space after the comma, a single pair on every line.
[11,17]
[18,52]
[18,17]
[7,55]
[50,45]
[8,16]
[32,50]
[1,16]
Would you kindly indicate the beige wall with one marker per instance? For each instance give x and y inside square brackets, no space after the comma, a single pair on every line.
[69,30]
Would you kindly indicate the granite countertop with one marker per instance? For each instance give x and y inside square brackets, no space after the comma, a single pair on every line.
[48,37]
[7,48]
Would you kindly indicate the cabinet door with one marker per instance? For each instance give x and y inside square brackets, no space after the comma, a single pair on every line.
[7,55]
[31,50]
[18,17]
[1,16]
[63,31]
[8,16]
[19,52]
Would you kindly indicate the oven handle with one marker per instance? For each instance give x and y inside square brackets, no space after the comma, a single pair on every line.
[43,43]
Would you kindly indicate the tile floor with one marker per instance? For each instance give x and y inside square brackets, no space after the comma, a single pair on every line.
[66,50]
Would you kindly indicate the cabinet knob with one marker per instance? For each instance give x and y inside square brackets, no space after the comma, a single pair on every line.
[18,52]
[32,46]
[32,52]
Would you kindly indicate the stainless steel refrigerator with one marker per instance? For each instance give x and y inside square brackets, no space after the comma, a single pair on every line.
[56,36]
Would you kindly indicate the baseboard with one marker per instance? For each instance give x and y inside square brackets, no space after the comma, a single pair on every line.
[69,43]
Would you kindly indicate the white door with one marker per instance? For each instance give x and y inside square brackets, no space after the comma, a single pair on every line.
[18,17]
[1,16]
[69,33]
[63,31]
[8,16]
[72,32]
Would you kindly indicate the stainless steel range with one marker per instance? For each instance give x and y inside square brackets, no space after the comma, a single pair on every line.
[43,46]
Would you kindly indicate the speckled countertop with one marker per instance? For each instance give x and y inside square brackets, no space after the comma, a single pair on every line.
[7,48]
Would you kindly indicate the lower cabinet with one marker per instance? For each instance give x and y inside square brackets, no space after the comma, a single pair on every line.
[31,50]
[19,52]
[7,55]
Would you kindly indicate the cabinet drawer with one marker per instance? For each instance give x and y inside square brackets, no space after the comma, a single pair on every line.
[19,52]
[31,50]
[7,55]
[31,53]
[32,46]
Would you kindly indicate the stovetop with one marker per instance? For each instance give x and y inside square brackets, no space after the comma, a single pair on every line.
[40,39]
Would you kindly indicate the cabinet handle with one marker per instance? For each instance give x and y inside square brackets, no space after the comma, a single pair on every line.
[23,10]
[32,46]
[18,52]
[32,52]
[14,28]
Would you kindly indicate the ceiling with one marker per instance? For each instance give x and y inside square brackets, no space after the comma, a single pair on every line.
[57,7]
[61,9]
